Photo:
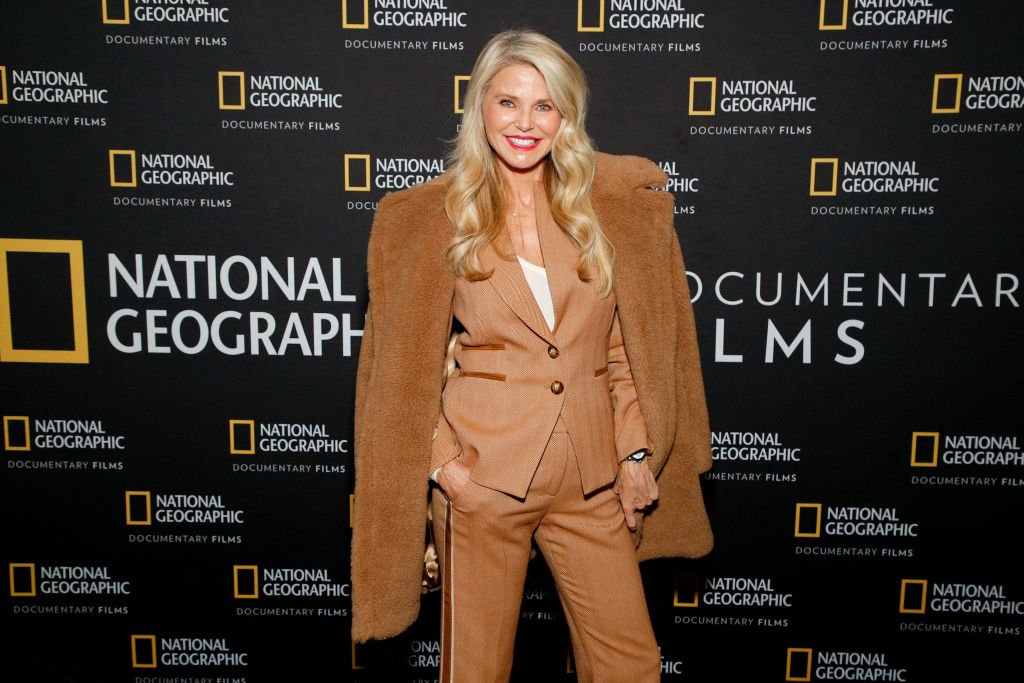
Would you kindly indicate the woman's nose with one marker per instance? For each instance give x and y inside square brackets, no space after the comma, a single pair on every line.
[524,121]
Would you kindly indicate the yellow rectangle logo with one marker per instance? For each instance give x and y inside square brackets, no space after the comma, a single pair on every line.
[355,664]
[227,89]
[686,593]
[17,438]
[79,353]
[143,652]
[459,80]
[581,26]
[803,510]
[350,186]
[798,663]
[123,18]
[916,449]
[3,85]
[348,22]
[242,437]
[708,93]
[247,581]
[826,23]
[23,579]
[137,508]
[819,171]
[913,596]
[122,168]
[946,93]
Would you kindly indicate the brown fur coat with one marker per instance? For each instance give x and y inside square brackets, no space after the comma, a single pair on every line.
[398,385]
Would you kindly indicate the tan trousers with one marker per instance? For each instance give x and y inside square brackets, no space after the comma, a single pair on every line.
[484,544]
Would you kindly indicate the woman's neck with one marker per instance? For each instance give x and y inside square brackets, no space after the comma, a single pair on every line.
[519,188]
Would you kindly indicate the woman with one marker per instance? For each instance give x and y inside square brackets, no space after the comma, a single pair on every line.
[576,378]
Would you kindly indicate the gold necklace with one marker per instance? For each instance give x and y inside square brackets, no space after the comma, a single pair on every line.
[519,214]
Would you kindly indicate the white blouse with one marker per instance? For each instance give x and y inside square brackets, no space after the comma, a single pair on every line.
[537,278]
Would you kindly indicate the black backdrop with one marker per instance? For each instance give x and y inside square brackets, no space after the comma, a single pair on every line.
[177,403]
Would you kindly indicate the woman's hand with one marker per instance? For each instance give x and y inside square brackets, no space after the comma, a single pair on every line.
[636,489]
[453,477]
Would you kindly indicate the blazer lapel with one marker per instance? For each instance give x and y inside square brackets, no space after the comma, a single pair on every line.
[508,280]
[560,257]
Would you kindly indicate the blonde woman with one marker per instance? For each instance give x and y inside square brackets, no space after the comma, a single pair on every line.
[575,411]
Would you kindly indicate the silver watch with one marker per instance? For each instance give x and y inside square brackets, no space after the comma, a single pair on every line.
[638,456]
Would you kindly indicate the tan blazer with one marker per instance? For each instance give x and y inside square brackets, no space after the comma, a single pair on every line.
[516,375]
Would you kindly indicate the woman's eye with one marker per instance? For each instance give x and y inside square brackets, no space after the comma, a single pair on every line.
[544,107]
[506,103]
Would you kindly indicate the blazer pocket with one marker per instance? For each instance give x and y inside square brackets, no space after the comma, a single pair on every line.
[485,347]
[600,371]
[482,375]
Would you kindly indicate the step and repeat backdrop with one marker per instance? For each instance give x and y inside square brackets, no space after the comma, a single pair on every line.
[188,188]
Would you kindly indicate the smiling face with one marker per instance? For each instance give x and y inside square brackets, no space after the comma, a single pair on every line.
[519,118]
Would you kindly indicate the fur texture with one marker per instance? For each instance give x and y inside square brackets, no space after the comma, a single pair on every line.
[401,365]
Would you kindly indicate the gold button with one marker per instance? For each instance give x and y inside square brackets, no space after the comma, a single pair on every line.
[553,352]
[557,387]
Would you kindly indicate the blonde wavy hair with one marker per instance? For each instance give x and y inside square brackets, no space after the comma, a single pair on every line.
[477,199]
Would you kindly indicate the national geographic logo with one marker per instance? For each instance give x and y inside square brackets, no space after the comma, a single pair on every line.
[367,173]
[402,14]
[596,16]
[151,651]
[203,280]
[246,437]
[29,580]
[746,448]
[751,446]
[636,16]
[968,454]
[711,598]
[683,187]
[808,664]
[268,95]
[58,434]
[42,302]
[143,508]
[128,168]
[58,87]
[831,177]
[43,86]
[133,22]
[923,596]
[122,12]
[165,169]
[729,591]
[868,177]
[710,95]
[269,91]
[819,522]
[388,173]
[252,582]
[984,450]
[953,93]
[971,95]
[836,15]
